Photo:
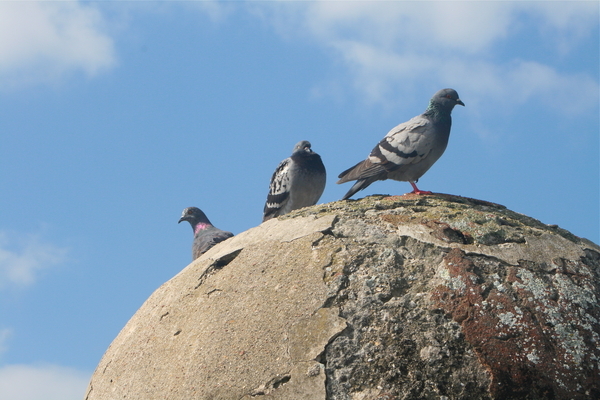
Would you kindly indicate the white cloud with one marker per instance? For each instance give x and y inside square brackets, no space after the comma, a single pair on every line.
[22,259]
[575,17]
[466,26]
[395,50]
[41,41]
[44,382]
[216,10]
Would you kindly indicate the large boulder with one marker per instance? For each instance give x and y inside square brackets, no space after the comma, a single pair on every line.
[411,297]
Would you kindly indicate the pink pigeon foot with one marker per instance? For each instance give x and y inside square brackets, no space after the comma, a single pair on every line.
[417,190]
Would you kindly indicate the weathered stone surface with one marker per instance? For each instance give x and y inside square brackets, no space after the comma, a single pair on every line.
[412,297]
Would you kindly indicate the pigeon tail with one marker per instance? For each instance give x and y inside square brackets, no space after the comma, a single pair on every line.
[359,185]
[364,170]
[347,175]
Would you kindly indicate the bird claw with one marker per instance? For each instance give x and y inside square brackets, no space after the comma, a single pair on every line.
[417,191]
[420,192]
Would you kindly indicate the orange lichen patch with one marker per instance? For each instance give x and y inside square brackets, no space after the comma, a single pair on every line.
[522,336]
[399,219]
[439,230]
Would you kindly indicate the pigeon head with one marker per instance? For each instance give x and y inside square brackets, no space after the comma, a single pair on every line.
[445,99]
[195,217]
[302,147]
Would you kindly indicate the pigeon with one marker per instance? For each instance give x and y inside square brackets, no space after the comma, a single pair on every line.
[205,234]
[297,182]
[409,149]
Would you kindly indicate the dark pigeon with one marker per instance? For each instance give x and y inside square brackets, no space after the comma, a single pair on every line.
[297,182]
[409,149]
[205,234]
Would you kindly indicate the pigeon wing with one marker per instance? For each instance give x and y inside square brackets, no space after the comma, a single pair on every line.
[207,239]
[279,189]
[405,144]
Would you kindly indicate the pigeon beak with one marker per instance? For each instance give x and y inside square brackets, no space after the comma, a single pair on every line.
[181,219]
[458,101]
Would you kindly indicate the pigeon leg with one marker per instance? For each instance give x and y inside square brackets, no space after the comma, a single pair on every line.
[417,190]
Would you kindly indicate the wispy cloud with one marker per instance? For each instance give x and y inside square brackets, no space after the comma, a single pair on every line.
[396,47]
[41,41]
[23,258]
[39,381]
[48,382]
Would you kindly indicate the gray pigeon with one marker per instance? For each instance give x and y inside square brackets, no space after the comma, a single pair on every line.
[409,149]
[297,182]
[205,234]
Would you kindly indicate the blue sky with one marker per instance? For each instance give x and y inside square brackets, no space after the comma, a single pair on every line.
[114,116]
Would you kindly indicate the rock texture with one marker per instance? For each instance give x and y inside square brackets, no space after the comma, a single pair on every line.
[412,297]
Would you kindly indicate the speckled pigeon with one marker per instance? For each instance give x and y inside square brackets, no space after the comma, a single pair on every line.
[297,182]
[409,149]
[205,234]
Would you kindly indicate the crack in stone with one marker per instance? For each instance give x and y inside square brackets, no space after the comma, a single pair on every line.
[216,265]
[273,384]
